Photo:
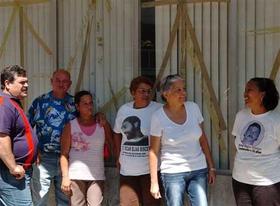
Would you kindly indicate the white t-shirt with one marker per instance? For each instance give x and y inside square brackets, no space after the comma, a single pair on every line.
[180,147]
[134,125]
[257,160]
[86,160]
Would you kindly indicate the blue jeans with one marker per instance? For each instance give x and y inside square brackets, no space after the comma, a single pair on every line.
[43,174]
[194,183]
[15,192]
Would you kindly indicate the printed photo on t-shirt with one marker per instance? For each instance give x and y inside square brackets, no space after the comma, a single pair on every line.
[252,134]
[131,127]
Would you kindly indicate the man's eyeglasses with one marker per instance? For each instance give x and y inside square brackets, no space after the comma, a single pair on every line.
[57,81]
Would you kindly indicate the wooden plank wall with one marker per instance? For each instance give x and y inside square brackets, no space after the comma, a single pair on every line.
[113,53]
[258,40]
[38,63]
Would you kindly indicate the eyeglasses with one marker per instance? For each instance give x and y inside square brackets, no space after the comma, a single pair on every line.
[57,81]
[144,91]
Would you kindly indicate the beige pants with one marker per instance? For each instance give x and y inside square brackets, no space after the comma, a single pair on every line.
[86,193]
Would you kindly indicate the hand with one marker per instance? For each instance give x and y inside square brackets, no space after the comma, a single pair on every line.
[18,171]
[101,118]
[66,186]
[211,176]
[155,191]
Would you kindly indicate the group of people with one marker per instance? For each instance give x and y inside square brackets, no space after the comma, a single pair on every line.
[161,149]
[60,140]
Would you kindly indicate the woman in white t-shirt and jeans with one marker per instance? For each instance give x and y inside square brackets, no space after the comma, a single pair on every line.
[82,154]
[256,171]
[177,134]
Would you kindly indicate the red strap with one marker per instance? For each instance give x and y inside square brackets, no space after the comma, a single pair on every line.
[28,134]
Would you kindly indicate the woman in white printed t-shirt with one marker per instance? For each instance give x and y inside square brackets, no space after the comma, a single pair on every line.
[177,134]
[131,136]
[256,171]
[82,155]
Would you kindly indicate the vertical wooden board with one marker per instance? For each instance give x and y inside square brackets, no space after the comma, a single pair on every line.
[36,22]
[190,66]
[106,48]
[32,47]
[128,44]
[125,76]
[132,29]
[206,49]
[136,37]
[89,75]
[260,41]
[63,21]
[223,87]
[173,63]
[120,42]
[214,75]
[241,39]
[71,39]
[111,45]
[197,25]
[120,39]
[277,40]
[162,15]
[250,43]
[232,75]
[82,7]
[276,36]
[94,59]
[101,81]
[63,57]
[9,55]
[269,44]
[52,19]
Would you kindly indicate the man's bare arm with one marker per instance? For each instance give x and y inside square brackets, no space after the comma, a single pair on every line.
[7,156]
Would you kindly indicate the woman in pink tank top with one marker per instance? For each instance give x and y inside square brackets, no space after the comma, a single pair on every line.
[82,159]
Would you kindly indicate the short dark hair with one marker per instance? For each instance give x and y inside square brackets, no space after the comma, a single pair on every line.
[271,96]
[137,81]
[9,73]
[80,94]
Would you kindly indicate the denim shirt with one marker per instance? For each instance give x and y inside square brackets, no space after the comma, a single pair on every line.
[49,116]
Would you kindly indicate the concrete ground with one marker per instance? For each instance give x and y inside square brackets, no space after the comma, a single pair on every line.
[220,194]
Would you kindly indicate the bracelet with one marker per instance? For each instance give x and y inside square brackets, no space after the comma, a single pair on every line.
[212,169]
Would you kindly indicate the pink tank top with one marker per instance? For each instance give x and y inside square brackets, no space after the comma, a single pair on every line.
[86,160]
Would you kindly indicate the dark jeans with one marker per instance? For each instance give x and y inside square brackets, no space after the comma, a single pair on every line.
[135,191]
[252,195]
[13,191]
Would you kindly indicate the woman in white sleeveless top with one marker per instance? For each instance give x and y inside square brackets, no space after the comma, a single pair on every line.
[82,159]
